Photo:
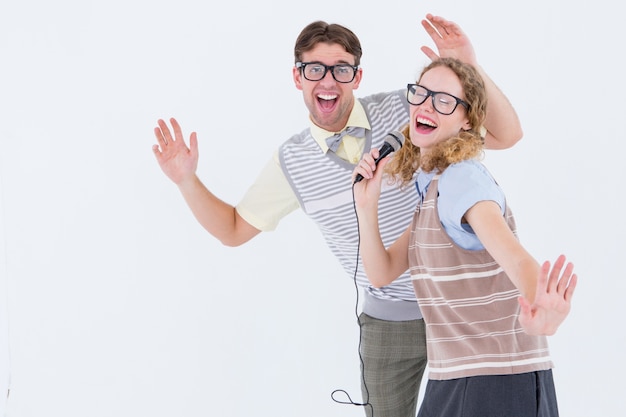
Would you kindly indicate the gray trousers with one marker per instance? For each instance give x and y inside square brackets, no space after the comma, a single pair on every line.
[394,359]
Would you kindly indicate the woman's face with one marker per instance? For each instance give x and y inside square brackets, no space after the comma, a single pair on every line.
[428,126]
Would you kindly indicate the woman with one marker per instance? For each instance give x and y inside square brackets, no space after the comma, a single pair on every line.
[487,304]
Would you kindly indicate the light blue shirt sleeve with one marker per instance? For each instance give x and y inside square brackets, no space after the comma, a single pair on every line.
[460,187]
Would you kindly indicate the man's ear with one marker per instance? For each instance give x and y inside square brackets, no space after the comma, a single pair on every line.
[357,78]
[297,77]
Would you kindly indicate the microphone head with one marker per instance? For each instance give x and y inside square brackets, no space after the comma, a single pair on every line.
[395,139]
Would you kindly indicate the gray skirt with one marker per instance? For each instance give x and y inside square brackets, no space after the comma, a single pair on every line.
[521,395]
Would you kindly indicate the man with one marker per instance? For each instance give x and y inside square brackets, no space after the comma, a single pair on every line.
[312,170]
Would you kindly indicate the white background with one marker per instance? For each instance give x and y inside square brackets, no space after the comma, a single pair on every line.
[119,304]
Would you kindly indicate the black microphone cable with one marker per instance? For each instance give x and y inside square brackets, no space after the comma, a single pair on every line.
[358,318]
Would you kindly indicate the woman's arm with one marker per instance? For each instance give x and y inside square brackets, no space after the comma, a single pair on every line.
[381,265]
[545,302]
[502,123]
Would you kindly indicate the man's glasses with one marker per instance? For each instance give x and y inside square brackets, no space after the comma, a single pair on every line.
[443,103]
[314,71]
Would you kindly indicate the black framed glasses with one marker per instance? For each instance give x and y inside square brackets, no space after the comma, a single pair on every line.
[315,71]
[443,103]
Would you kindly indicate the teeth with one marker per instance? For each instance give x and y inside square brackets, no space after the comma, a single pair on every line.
[327,96]
[426,122]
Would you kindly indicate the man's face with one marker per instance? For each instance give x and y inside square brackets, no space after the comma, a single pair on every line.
[329,102]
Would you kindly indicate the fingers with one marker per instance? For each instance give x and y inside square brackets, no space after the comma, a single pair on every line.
[443,26]
[567,282]
[542,282]
[178,133]
[430,29]
[156,151]
[441,29]
[565,277]
[164,135]
[193,144]
[158,133]
[558,281]
[569,291]
[429,53]
[439,24]
[162,132]
[525,309]
[367,165]
[435,26]
[554,274]
[562,281]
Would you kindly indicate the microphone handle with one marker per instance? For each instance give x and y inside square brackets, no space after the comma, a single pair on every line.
[385,150]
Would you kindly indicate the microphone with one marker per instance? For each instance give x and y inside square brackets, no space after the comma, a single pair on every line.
[393,142]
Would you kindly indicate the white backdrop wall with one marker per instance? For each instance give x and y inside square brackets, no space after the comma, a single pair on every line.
[119,304]
[5,359]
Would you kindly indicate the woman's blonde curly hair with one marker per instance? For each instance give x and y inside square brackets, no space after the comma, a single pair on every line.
[466,145]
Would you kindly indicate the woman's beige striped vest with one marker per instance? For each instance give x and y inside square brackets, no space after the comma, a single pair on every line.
[469,304]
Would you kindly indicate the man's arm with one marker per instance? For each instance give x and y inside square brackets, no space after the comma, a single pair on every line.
[503,126]
[179,163]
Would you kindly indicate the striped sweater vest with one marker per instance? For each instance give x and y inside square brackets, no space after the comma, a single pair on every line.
[469,304]
[322,183]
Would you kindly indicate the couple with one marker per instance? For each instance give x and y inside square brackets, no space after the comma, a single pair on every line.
[327,71]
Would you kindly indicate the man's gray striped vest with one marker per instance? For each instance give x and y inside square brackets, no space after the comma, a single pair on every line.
[323,185]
